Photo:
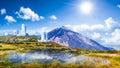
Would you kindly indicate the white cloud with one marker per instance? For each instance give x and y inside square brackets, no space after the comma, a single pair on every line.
[40,30]
[28,14]
[100,32]
[53,17]
[116,35]
[67,25]
[41,17]
[96,35]
[118,5]
[44,29]
[106,33]
[10,19]
[114,38]
[111,23]
[97,26]
[85,27]
[3,11]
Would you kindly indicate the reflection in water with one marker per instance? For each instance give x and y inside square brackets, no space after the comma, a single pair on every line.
[47,57]
[28,57]
[81,59]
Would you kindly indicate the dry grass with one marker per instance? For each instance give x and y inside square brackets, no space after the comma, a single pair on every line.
[112,56]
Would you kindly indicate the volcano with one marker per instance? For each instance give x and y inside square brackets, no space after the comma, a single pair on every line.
[67,37]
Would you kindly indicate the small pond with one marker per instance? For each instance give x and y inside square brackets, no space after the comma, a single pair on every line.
[47,57]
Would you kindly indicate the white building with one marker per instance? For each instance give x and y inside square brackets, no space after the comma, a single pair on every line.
[23,30]
[44,37]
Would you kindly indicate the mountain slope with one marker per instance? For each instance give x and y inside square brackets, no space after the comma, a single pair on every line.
[72,39]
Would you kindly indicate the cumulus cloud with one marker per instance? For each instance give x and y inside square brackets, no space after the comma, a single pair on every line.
[114,38]
[3,11]
[41,17]
[10,19]
[100,32]
[116,35]
[28,14]
[96,35]
[40,30]
[111,23]
[53,17]
[85,27]
[118,5]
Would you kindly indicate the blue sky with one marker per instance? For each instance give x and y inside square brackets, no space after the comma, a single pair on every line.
[101,24]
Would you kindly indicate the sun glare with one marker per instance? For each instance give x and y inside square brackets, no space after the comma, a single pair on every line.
[86,7]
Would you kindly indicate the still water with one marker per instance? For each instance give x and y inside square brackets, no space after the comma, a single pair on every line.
[47,57]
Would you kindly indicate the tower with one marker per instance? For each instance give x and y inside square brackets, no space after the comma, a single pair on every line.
[23,30]
[42,37]
[45,36]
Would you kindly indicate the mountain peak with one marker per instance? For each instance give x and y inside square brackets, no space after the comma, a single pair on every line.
[63,27]
[67,37]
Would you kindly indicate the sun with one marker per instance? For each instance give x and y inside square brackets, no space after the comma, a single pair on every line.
[86,7]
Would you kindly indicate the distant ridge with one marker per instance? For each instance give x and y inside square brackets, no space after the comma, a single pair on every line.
[66,37]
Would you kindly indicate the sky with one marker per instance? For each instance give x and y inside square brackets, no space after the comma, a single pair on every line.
[96,19]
